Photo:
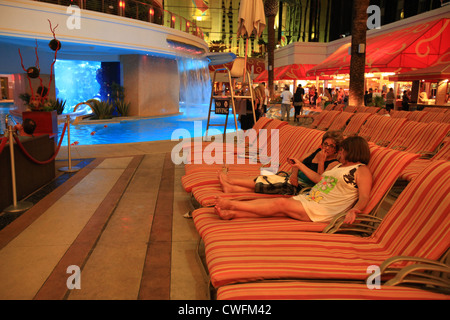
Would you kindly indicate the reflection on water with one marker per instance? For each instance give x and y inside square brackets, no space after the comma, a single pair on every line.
[4,110]
[140,130]
[155,129]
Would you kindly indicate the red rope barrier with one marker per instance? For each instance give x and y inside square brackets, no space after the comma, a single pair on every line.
[35,160]
[3,144]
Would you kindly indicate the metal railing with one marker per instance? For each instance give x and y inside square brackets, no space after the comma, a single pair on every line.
[136,10]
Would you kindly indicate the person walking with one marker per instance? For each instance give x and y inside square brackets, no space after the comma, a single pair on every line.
[286,98]
[298,102]
[390,99]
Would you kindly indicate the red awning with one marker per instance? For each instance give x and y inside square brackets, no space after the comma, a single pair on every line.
[416,46]
[295,72]
[264,76]
[435,72]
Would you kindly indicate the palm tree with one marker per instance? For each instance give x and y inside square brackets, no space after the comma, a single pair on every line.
[270,10]
[358,60]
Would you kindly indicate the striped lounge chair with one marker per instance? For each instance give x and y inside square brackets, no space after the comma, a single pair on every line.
[419,137]
[351,109]
[417,166]
[417,225]
[195,154]
[301,143]
[328,120]
[389,131]
[341,121]
[206,175]
[380,129]
[317,119]
[400,114]
[308,290]
[416,115]
[432,116]
[385,165]
[355,124]
[189,147]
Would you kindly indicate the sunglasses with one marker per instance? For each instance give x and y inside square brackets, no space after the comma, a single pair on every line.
[326,145]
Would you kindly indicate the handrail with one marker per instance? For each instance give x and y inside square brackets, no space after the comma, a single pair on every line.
[136,10]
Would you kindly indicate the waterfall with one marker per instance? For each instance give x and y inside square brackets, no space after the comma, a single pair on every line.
[195,86]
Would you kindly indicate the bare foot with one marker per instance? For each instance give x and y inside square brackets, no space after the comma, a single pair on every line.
[223,179]
[222,203]
[223,214]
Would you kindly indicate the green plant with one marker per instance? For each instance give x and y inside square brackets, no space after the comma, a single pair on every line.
[58,105]
[101,109]
[378,101]
[25,97]
[117,92]
[122,107]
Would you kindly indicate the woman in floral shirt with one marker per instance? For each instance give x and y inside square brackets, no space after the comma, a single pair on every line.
[342,188]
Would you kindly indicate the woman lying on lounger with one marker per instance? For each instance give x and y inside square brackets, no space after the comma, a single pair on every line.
[344,188]
[324,158]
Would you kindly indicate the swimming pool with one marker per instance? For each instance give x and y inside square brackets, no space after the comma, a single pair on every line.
[142,130]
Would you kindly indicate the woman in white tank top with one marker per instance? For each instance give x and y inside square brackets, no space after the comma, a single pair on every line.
[342,188]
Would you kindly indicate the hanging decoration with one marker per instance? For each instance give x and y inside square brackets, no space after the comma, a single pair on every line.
[39,101]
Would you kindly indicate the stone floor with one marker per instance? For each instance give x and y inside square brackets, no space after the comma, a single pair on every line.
[119,219]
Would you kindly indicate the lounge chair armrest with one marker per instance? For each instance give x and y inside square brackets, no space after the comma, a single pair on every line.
[426,274]
[385,267]
[426,154]
[337,224]
[383,143]
[399,148]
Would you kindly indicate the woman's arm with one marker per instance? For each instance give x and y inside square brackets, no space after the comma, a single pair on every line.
[363,178]
[311,174]
[293,179]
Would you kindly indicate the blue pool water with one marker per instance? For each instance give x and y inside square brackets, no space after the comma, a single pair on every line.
[141,130]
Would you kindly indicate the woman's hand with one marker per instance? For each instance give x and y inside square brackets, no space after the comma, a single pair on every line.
[351,216]
[321,156]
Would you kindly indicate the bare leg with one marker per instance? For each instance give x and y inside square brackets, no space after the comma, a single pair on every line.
[274,207]
[233,185]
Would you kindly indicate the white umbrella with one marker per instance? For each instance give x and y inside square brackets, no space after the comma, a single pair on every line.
[251,20]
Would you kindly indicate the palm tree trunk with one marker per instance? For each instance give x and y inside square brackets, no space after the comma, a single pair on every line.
[358,59]
[270,10]
[271,52]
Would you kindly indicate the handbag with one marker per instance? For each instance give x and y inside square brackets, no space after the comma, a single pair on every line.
[275,184]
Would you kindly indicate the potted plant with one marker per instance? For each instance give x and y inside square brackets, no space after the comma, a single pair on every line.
[41,108]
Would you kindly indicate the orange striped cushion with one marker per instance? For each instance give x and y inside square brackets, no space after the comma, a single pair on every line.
[355,123]
[298,290]
[419,137]
[390,131]
[341,121]
[301,142]
[350,109]
[251,141]
[293,142]
[385,165]
[417,115]
[327,120]
[375,127]
[416,225]
[399,113]
[318,118]
[432,117]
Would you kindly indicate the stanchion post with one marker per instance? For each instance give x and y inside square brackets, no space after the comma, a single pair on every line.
[22,206]
[69,168]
